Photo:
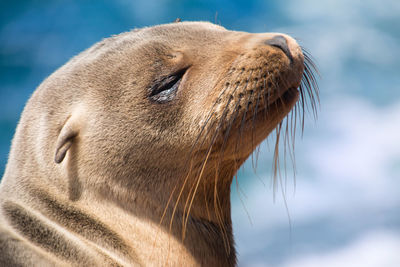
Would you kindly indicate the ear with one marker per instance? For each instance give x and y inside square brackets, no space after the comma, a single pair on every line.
[66,138]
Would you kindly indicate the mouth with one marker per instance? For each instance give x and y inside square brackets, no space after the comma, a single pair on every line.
[284,102]
[290,95]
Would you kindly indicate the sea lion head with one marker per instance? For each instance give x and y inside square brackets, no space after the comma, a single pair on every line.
[170,110]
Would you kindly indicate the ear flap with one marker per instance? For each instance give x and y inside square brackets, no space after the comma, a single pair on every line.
[65,139]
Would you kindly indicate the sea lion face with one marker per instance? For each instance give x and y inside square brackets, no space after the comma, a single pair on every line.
[158,101]
[182,82]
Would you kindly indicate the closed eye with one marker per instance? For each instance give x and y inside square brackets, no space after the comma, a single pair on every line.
[164,90]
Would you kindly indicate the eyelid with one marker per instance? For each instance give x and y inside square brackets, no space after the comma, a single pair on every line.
[167,82]
[165,88]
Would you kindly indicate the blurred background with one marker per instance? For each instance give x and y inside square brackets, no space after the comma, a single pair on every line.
[343,206]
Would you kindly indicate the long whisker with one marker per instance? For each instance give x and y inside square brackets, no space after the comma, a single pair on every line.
[206,159]
[231,120]
[225,110]
[209,116]
[309,99]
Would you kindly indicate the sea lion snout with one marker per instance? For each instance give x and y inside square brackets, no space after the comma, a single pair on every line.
[282,50]
[270,64]
[292,50]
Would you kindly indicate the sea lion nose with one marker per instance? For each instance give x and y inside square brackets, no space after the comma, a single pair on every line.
[280,42]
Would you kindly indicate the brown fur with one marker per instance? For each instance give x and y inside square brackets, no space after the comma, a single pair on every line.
[100,173]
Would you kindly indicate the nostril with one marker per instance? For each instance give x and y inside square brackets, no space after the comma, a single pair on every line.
[281,43]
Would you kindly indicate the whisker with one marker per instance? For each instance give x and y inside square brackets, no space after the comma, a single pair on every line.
[234,116]
[209,116]
[308,101]
[204,164]
[220,122]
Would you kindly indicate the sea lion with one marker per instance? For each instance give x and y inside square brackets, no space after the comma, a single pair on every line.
[125,155]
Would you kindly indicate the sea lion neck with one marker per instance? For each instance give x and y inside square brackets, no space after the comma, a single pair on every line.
[199,220]
[196,191]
